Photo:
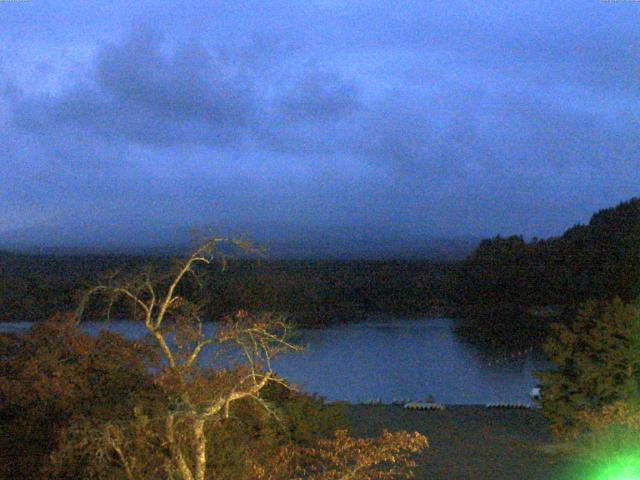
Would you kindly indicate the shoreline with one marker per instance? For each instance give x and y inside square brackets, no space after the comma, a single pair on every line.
[469,441]
[401,404]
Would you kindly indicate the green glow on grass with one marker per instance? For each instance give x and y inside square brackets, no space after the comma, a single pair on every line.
[622,467]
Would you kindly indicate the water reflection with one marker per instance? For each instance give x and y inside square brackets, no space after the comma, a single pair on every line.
[389,359]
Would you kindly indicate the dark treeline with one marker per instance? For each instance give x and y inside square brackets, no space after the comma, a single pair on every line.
[317,292]
[599,260]
[311,292]
[35,287]
[511,287]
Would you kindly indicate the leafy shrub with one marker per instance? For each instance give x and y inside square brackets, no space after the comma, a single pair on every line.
[611,431]
[54,373]
[596,363]
[305,418]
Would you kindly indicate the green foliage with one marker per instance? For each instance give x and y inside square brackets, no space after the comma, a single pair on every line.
[596,362]
[607,443]
[609,432]
[496,272]
[255,435]
[305,418]
[502,328]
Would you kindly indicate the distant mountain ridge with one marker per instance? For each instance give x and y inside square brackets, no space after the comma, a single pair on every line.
[344,244]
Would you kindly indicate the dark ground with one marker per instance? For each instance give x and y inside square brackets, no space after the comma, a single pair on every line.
[470,442]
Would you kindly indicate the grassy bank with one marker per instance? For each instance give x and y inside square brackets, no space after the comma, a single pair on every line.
[470,442]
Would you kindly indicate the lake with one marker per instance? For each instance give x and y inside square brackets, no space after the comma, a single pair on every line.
[388,359]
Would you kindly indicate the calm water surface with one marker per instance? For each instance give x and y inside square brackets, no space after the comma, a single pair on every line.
[390,359]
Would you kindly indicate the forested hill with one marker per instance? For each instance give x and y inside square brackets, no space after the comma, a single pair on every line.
[599,260]
[34,287]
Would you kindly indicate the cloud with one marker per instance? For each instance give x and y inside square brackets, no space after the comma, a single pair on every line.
[143,95]
[145,91]
[446,117]
[319,96]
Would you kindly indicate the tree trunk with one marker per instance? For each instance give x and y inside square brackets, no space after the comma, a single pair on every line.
[176,452]
[201,450]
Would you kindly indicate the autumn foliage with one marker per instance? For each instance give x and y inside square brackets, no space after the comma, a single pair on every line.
[74,405]
[53,376]
[387,456]
[342,457]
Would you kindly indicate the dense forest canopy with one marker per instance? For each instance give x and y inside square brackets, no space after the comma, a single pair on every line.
[312,291]
[512,291]
[599,260]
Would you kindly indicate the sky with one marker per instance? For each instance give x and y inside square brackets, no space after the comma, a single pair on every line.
[382,121]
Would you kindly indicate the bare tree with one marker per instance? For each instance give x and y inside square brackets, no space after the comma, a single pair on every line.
[195,397]
[169,436]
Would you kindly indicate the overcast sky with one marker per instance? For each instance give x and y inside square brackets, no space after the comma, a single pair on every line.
[269,118]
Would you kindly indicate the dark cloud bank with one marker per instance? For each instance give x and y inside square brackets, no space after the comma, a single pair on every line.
[325,128]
